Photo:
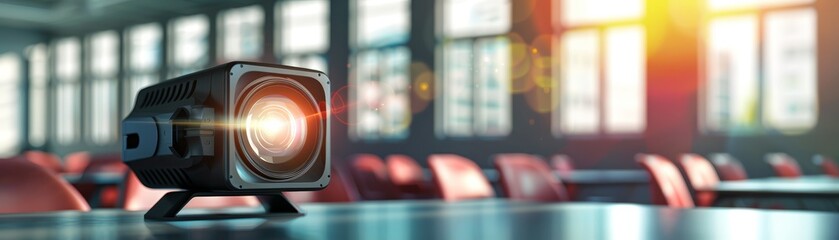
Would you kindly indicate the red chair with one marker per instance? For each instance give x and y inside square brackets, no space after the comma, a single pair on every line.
[528,177]
[26,187]
[370,175]
[668,187]
[338,190]
[562,163]
[728,167]
[76,162]
[458,178]
[407,177]
[701,175]
[97,195]
[784,165]
[827,164]
[46,160]
[139,197]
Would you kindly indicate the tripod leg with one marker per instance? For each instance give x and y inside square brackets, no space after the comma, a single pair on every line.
[169,205]
[278,203]
[167,208]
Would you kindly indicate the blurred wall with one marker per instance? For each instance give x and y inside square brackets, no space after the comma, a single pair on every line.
[15,39]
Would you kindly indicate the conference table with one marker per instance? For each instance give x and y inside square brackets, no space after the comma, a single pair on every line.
[434,219]
[600,185]
[591,177]
[102,179]
[802,191]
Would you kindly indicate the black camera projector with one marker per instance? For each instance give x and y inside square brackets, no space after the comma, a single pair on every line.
[240,128]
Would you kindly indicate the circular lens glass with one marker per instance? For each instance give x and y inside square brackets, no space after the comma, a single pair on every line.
[281,128]
[275,128]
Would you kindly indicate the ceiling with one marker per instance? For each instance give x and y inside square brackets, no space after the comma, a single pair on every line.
[73,16]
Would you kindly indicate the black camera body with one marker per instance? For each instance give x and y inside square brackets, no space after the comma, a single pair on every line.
[240,127]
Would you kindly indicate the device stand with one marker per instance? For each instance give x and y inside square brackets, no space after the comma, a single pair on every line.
[167,208]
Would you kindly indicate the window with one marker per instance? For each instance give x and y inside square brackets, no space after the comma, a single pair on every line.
[67,90]
[731,73]
[103,59]
[143,55]
[474,90]
[10,108]
[601,69]
[721,5]
[38,83]
[744,94]
[240,34]
[188,44]
[789,65]
[379,78]
[302,35]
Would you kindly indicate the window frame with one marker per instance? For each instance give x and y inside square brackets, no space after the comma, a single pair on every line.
[131,77]
[473,38]
[360,48]
[95,80]
[760,12]
[602,28]
[296,58]
[223,34]
[15,84]
[74,85]
[38,89]
[173,67]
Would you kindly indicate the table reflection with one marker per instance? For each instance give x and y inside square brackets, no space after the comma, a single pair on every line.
[482,219]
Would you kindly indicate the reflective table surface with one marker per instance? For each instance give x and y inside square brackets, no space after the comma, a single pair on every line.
[485,219]
[807,192]
[805,185]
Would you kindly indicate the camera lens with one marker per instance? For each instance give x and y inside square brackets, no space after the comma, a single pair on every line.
[280,128]
[275,128]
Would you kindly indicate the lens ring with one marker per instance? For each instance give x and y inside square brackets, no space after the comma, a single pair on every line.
[275,152]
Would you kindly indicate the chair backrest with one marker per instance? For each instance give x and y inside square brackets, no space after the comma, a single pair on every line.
[701,175]
[26,187]
[827,164]
[46,160]
[668,187]
[784,165]
[76,162]
[340,189]
[370,175]
[137,197]
[99,196]
[562,163]
[729,168]
[408,178]
[528,177]
[458,178]
[404,171]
